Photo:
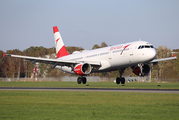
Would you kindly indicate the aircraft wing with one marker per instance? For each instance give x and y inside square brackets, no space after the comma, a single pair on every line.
[163,59]
[55,62]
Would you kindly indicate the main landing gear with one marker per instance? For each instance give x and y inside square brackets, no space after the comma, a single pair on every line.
[81,79]
[120,79]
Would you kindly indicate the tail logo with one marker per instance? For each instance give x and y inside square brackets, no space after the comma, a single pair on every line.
[57,40]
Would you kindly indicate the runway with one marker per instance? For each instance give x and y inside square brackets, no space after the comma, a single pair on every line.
[176,91]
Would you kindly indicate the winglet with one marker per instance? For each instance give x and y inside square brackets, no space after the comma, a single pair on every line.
[175,56]
[3,54]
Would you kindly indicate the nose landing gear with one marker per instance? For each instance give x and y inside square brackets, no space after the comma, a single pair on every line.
[120,80]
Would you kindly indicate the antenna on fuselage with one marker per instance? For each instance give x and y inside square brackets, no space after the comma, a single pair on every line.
[139,39]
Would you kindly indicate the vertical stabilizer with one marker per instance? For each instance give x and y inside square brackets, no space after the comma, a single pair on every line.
[60,47]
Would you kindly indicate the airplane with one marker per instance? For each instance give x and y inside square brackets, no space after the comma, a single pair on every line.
[137,55]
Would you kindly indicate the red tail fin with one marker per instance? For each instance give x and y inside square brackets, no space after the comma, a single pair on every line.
[60,47]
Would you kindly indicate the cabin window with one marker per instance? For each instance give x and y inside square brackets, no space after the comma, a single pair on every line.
[116,51]
[104,53]
[91,56]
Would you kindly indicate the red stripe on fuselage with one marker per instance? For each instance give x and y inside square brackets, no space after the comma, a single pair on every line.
[124,48]
[62,52]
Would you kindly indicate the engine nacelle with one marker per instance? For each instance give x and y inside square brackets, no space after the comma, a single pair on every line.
[145,70]
[82,69]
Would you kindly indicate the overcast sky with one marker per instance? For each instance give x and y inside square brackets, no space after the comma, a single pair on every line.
[83,23]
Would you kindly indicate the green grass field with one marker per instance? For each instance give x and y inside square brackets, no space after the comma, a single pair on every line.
[77,105]
[92,85]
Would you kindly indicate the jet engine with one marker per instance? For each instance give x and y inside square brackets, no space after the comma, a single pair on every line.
[141,70]
[82,69]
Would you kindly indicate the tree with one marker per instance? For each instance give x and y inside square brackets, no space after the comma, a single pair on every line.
[96,46]
[14,67]
[71,49]
[103,44]
[165,69]
[1,62]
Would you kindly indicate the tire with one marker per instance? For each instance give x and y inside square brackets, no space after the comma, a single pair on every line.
[118,80]
[79,79]
[122,80]
[84,80]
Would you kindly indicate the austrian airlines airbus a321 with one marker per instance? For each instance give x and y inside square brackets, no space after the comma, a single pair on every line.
[136,55]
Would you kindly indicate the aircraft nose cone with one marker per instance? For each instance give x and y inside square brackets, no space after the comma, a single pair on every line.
[152,53]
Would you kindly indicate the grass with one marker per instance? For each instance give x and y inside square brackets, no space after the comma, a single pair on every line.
[78,105]
[92,85]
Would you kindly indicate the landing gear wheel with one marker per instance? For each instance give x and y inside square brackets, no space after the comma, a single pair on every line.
[84,80]
[118,80]
[122,80]
[79,80]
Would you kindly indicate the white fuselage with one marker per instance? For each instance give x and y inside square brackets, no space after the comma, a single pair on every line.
[114,57]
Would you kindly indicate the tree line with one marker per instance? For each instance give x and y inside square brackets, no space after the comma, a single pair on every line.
[17,68]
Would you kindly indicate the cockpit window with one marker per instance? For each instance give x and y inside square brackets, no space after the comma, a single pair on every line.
[145,46]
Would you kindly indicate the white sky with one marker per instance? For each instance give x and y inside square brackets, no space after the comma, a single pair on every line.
[83,23]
